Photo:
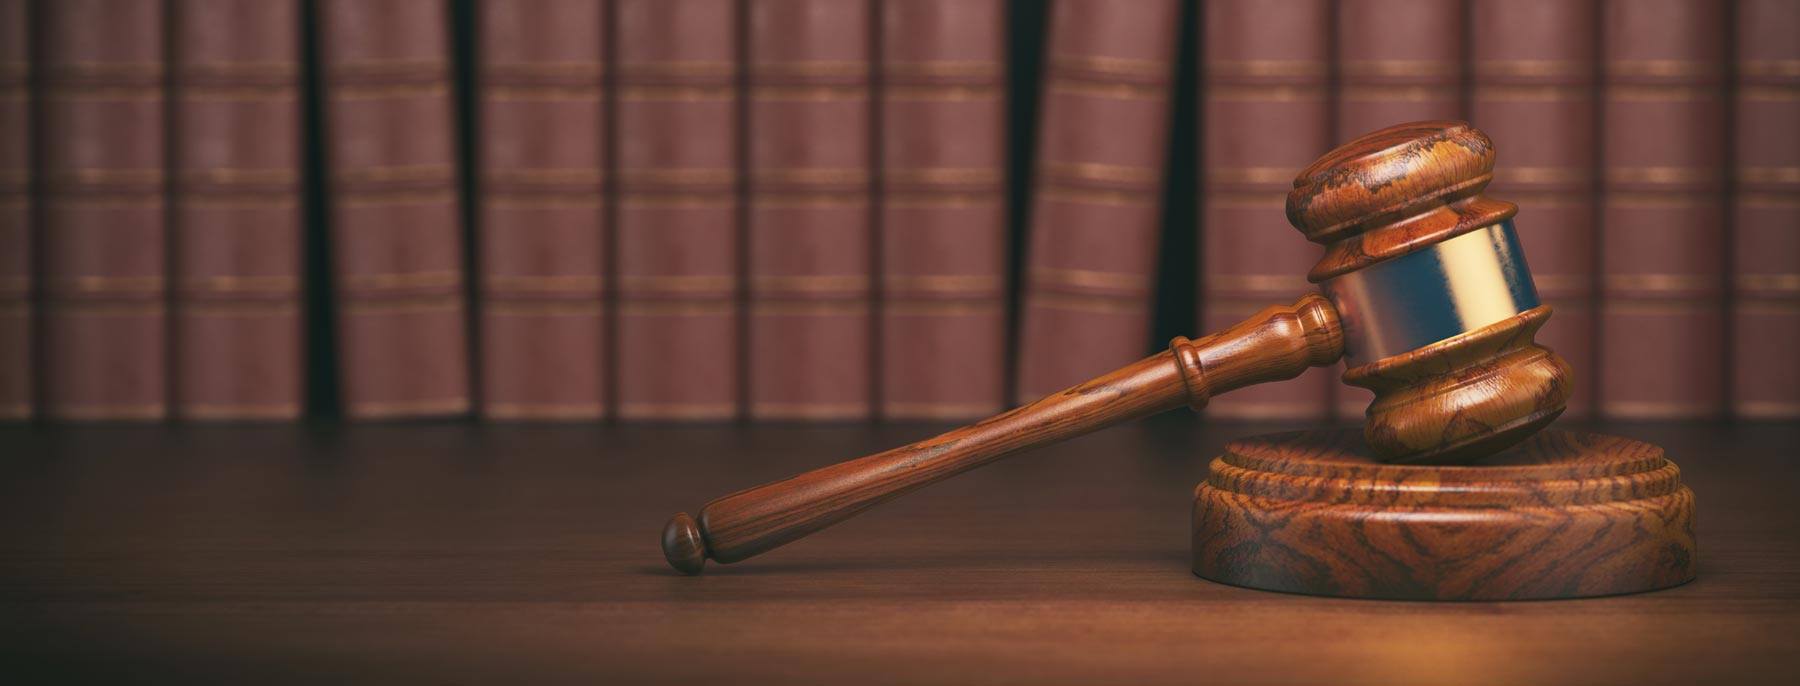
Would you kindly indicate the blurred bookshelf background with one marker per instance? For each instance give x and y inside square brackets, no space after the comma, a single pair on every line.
[838,210]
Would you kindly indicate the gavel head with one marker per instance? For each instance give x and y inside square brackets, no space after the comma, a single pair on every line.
[1437,304]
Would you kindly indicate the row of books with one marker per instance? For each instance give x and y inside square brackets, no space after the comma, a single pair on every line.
[798,209]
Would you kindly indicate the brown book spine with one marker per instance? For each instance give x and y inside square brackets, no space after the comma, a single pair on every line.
[1097,193]
[1397,61]
[395,233]
[16,278]
[810,233]
[679,225]
[1766,274]
[235,152]
[1534,68]
[1661,346]
[1265,116]
[542,229]
[943,209]
[105,323]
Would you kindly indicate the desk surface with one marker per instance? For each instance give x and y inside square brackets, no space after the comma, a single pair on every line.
[483,553]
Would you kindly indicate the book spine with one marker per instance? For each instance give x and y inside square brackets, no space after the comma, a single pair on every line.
[1397,61]
[1534,68]
[1661,345]
[103,254]
[542,230]
[235,237]
[17,282]
[679,214]
[942,197]
[1265,116]
[810,234]
[1097,190]
[395,226]
[1766,230]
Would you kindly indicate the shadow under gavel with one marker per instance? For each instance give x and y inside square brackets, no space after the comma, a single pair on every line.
[1427,297]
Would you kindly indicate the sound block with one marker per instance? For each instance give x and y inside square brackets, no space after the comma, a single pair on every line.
[1561,515]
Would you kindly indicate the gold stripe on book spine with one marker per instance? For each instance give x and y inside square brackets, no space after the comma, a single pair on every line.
[676,283]
[1535,68]
[1123,198]
[1663,68]
[425,279]
[673,93]
[982,69]
[1095,171]
[942,283]
[401,306]
[387,91]
[251,309]
[681,411]
[810,283]
[1265,68]
[1759,68]
[1098,304]
[906,410]
[1765,409]
[682,308]
[1663,283]
[376,410]
[227,411]
[940,93]
[542,411]
[1264,93]
[541,308]
[108,411]
[1776,283]
[1119,91]
[1103,66]
[1531,93]
[633,71]
[1366,92]
[778,410]
[1090,278]
[817,308]
[1399,68]
[940,308]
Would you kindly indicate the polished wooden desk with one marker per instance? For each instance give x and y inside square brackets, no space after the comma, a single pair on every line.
[464,553]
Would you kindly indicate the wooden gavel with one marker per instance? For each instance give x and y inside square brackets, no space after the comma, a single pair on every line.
[1426,296]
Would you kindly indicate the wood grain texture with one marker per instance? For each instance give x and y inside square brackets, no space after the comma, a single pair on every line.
[1393,191]
[1562,515]
[465,553]
[1277,343]
[1399,190]
[1465,397]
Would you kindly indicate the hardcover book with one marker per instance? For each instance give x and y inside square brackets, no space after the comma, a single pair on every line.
[1765,314]
[1265,116]
[1096,207]
[103,256]
[679,215]
[1534,89]
[393,209]
[17,282]
[236,243]
[810,219]
[943,209]
[1663,141]
[541,227]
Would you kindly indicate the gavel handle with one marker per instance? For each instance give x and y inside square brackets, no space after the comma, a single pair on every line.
[1276,343]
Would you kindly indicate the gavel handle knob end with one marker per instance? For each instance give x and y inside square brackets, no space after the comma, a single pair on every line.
[683,545]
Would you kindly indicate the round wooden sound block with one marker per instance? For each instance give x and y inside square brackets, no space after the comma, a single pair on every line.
[1561,515]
